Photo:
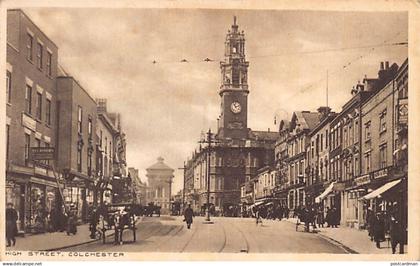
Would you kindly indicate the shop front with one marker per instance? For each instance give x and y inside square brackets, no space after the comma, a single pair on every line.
[34,199]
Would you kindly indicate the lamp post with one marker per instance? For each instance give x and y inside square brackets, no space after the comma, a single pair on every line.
[209,141]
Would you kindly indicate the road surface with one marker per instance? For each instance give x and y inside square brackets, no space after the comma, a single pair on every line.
[230,235]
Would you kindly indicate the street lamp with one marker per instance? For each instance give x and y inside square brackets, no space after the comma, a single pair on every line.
[183,189]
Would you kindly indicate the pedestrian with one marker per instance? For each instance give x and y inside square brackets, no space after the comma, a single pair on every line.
[258,219]
[11,227]
[328,217]
[188,216]
[320,218]
[378,229]
[71,223]
[395,232]
[370,218]
[335,217]
[94,219]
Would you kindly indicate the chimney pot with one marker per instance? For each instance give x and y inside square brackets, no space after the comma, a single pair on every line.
[386,65]
[382,66]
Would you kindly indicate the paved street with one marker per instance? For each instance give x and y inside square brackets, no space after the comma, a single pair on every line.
[231,235]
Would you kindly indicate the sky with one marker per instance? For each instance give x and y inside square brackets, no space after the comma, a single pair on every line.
[167,105]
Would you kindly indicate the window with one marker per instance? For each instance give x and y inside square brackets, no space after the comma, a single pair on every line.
[27,145]
[28,99]
[48,112]
[235,72]
[367,131]
[367,162]
[89,164]
[39,53]
[79,119]
[39,106]
[356,131]
[382,156]
[29,46]
[322,142]
[8,86]
[345,137]
[7,140]
[326,139]
[79,160]
[382,122]
[90,127]
[100,138]
[49,62]
[106,145]
[356,166]
[351,140]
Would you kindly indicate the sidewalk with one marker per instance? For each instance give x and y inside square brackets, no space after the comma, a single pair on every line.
[56,240]
[354,240]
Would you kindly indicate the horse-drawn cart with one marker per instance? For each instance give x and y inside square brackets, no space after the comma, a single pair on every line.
[118,217]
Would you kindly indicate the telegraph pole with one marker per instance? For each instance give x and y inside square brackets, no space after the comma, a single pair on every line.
[209,141]
[183,189]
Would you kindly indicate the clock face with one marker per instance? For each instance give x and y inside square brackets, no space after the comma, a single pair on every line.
[235,107]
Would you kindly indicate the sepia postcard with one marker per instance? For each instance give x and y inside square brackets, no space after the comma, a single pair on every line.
[200,130]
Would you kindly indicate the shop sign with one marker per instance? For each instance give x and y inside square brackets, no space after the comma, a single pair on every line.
[42,153]
[339,186]
[380,173]
[28,122]
[362,180]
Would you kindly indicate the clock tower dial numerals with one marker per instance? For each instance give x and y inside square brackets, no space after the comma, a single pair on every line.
[235,107]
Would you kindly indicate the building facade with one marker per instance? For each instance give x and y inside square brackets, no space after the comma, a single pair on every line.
[31,120]
[159,179]
[77,113]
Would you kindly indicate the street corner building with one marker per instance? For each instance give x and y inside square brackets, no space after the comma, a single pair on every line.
[47,107]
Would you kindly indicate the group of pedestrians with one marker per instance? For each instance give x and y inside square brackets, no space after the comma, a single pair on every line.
[53,221]
[380,224]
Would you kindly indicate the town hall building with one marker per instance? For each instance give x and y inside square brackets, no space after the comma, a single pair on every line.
[237,151]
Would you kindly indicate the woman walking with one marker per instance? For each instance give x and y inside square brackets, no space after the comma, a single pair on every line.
[11,227]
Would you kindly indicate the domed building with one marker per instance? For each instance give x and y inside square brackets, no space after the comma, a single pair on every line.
[159,179]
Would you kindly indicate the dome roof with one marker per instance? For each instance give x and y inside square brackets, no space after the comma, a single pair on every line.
[160,165]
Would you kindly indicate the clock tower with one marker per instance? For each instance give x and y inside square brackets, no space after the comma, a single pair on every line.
[234,88]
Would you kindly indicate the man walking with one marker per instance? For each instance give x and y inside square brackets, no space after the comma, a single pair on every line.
[188,216]
[11,227]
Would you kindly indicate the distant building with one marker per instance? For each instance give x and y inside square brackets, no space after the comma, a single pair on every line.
[159,178]
[139,188]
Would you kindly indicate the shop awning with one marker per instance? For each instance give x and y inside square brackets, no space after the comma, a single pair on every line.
[325,193]
[381,190]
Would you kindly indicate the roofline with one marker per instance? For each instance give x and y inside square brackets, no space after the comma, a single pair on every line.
[107,122]
[36,26]
[75,80]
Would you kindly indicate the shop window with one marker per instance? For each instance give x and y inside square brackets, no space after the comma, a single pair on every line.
[79,160]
